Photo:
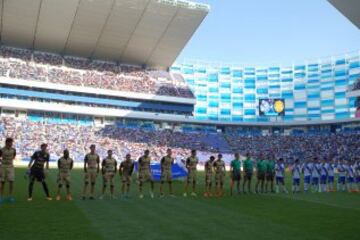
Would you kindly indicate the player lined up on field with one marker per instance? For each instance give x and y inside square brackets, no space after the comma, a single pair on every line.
[318,176]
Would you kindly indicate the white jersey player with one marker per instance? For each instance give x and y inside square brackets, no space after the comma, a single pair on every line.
[296,173]
[307,169]
[341,169]
[351,171]
[357,178]
[330,166]
[279,175]
[323,176]
[316,172]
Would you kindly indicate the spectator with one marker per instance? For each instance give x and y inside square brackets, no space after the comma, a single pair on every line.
[47,67]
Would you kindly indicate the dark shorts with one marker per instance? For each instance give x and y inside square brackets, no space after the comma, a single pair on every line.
[280,180]
[38,174]
[296,181]
[248,175]
[261,176]
[270,176]
[342,180]
[315,181]
[323,179]
[236,176]
[357,179]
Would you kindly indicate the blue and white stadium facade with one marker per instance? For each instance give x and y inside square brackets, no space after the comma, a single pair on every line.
[313,90]
[151,34]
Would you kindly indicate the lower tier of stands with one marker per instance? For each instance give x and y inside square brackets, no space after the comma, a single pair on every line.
[132,136]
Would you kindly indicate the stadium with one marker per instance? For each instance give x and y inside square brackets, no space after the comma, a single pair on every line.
[81,73]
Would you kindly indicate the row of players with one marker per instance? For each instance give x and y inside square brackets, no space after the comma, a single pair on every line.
[318,176]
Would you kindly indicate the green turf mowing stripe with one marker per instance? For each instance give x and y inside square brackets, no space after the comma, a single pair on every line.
[251,216]
[339,200]
[41,219]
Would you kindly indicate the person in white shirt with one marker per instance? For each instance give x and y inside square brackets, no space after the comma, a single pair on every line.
[307,169]
[316,168]
[279,174]
[351,171]
[330,167]
[323,176]
[357,179]
[341,169]
[296,173]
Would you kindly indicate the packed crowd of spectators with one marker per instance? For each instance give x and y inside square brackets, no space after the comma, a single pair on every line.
[77,138]
[29,135]
[344,146]
[47,67]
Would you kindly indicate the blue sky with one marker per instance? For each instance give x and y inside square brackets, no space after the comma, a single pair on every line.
[271,31]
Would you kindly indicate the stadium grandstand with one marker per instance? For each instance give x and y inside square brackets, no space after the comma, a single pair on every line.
[105,75]
[76,79]
[85,66]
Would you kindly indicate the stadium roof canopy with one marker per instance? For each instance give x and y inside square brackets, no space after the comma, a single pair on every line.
[349,8]
[150,32]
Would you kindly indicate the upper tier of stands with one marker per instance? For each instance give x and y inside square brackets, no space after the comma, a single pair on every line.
[46,67]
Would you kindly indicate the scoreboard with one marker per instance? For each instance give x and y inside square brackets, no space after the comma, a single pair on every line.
[272,107]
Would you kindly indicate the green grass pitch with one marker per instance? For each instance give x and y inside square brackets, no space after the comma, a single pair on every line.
[266,216]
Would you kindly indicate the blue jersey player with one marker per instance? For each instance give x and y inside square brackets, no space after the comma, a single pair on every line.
[341,169]
[307,169]
[323,176]
[279,176]
[351,169]
[296,173]
[330,167]
[316,171]
[357,172]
